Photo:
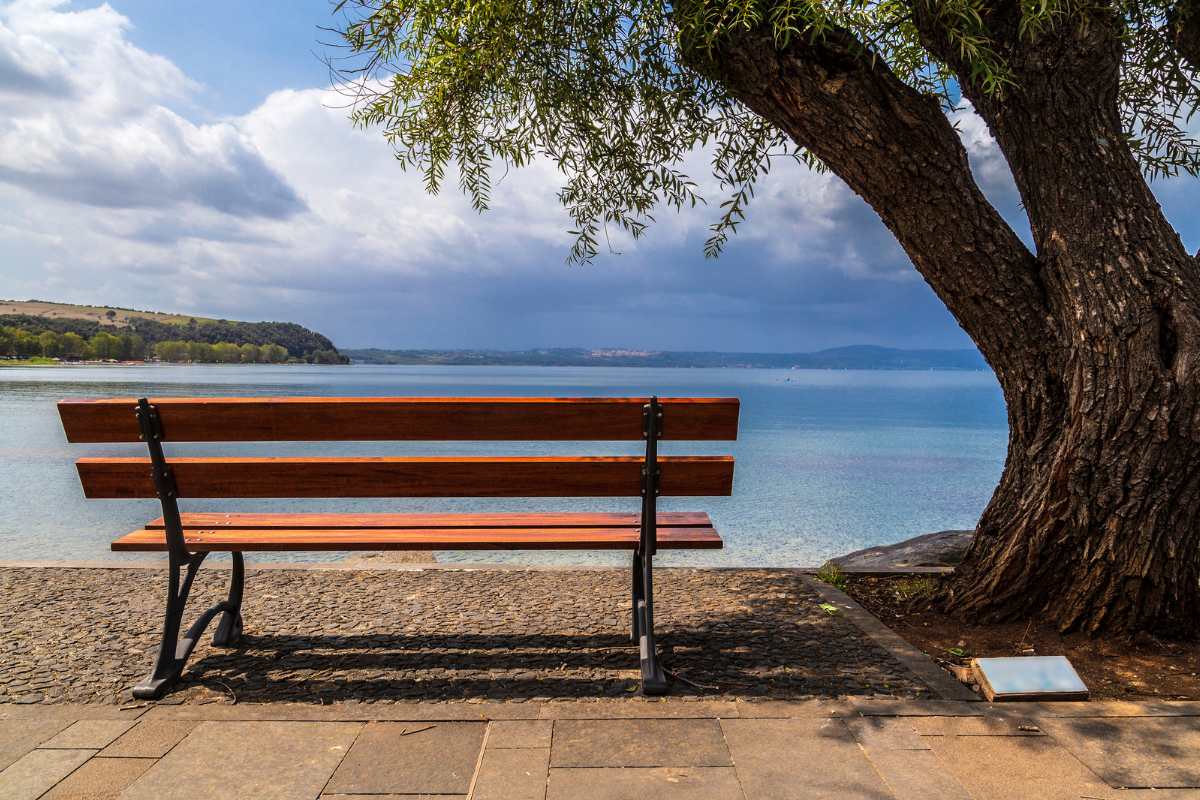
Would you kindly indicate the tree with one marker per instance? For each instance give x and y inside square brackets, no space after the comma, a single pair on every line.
[1093,332]
[73,345]
[105,346]
[171,350]
[51,344]
[227,353]
[249,353]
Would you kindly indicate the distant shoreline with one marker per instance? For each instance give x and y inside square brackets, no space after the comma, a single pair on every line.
[858,357]
[52,363]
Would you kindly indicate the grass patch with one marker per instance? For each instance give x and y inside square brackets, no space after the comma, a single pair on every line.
[36,361]
[909,588]
[833,575]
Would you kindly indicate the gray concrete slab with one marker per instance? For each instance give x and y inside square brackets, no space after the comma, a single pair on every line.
[800,759]
[639,743]
[36,772]
[19,736]
[151,738]
[1007,767]
[89,734]
[661,783]
[410,758]
[512,774]
[1138,752]
[504,734]
[100,779]
[235,760]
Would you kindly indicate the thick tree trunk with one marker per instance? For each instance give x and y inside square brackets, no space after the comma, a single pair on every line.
[1095,525]
[1096,522]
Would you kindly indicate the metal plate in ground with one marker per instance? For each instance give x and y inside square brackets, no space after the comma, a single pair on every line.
[1029,678]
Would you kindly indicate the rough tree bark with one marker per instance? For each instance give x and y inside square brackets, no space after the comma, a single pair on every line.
[1094,336]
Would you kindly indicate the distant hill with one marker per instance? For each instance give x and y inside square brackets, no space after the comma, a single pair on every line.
[854,357]
[153,327]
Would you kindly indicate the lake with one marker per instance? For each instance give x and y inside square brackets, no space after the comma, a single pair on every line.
[827,461]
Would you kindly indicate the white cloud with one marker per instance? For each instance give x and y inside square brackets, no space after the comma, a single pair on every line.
[109,192]
[83,117]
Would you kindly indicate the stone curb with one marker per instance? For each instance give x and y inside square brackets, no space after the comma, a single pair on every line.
[933,676]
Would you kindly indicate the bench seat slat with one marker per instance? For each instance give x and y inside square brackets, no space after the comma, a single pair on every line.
[280,539]
[462,476]
[293,521]
[264,419]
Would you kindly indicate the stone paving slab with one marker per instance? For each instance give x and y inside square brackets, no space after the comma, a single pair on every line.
[818,708]
[100,779]
[394,797]
[30,776]
[801,759]
[18,737]
[410,758]
[639,743]
[890,707]
[461,711]
[640,708]
[1006,767]
[512,774]
[504,734]
[884,733]
[977,726]
[237,760]
[916,775]
[663,783]
[150,738]
[76,635]
[89,734]
[1122,708]
[70,712]
[1140,752]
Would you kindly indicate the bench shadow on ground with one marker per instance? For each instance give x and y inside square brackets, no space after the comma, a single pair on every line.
[767,647]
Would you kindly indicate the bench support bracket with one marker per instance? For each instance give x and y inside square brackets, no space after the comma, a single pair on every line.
[174,651]
[654,681]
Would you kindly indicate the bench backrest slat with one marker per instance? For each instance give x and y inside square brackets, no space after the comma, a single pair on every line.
[613,476]
[259,419]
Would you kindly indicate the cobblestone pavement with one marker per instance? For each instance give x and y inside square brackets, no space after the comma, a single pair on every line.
[87,635]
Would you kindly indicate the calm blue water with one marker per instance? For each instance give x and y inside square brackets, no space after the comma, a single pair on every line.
[828,461]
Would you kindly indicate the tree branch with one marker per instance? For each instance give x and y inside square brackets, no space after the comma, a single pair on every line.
[1184,23]
[897,150]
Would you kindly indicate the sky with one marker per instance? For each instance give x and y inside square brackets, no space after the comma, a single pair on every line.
[189,157]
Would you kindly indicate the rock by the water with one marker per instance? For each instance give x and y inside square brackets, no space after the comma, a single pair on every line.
[940,549]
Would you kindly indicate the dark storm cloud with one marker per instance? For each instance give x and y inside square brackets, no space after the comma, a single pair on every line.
[242,185]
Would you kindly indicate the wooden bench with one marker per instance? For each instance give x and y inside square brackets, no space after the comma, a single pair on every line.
[188,538]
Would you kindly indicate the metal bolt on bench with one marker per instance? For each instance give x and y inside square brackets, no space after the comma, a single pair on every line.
[188,538]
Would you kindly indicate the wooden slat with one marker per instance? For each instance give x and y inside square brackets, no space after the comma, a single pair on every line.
[257,419]
[562,476]
[678,519]
[274,539]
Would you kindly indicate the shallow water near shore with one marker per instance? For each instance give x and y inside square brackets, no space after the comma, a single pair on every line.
[827,461]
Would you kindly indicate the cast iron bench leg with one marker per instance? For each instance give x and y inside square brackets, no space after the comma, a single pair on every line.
[173,651]
[638,594]
[654,681]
